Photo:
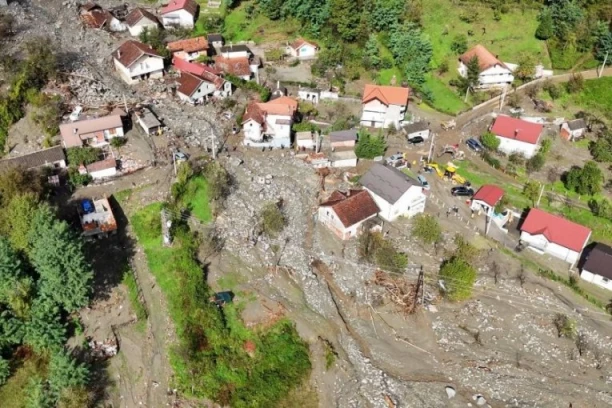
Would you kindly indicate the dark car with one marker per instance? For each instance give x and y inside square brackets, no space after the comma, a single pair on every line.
[462,191]
[416,140]
[474,145]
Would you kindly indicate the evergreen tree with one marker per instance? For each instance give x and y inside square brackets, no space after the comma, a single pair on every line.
[57,255]
[11,330]
[65,372]
[44,330]
[345,17]
[5,370]
[545,29]
[371,51]
[37,394]
[16,219]
[10,270]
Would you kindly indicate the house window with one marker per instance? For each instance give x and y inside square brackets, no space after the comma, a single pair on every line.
[112,132]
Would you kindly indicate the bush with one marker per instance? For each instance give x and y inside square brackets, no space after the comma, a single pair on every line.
[443,68]
[536,163]
[458,276]
[565,326]
[83,155]
[516,158]
[575,83]
[492,161]
[601,149]
[602,208]
[272,220]
[490,141]
[77,179]
[118,141]
[553,90]
[459,44]
[373,247]
[369,147]
[586,180]
[427,229]
[546,145]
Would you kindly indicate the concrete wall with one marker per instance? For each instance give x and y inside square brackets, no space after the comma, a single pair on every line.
[139,27]
[541,244]
[178,18]
[103,173]
[596,279]
[510,146]
[410,204]
[423,133]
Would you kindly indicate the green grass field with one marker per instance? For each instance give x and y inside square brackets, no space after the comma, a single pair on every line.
[196,199]
[240,27]
[594,98]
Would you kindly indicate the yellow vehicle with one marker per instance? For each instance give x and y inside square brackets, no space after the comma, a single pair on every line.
[437,168]
[451,174]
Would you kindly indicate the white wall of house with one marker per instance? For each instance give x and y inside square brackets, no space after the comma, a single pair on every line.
[481,206]
[329,95]
[252,131]
[572,134]
[235,54]
[108,135]
[116,25]
[409,205]
[103,173]
[541,244]
[137,28]
[494,76]
[510,146]
[378,115]
[352,162]
[178,18]
[205,89]
[423,133]
[146,65]
[312,97]
[328,217]
[225,91]
[596,279]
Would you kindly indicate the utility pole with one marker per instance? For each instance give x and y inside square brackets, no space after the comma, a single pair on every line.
[421,283]
[503,98]
[174,160]
[467,92]
[431,146]
[603,66]
[540,196]
[214,144]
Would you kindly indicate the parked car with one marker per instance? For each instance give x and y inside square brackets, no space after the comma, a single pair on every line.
[74,115]
[462,191]
[517,111]
[396,160]
[416,140]
[474,145]
[423,182]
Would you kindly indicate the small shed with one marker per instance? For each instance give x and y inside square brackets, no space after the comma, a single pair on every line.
[415,129]
[344,158]
[148,122]
[573,129]
[309,95]
[305,140]
[343,138]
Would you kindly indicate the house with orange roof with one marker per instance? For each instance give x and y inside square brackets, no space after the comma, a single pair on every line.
[302,49]
[188,49]
[268,124]
[383,106]
[493,72]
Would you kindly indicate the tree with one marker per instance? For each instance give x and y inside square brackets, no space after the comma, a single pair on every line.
[271,8]
[371,51]
[57,255]
[586,180]
[344,15]
[535,163]
[603,43]
[531,190]
[526,67]
[427,229]
[601,208]
[575,83]
[565,326]
[218,180]
[601,149]
[5,370]
[44,330]
[385,13]
[412,52]
[83,155]
[490,141]
[65,372]
[514,100]
[16,219]
[545,29]
[459,44]
[155,38]
[501,205]
[273,220]
[37,394]
[11,270]
[368,146]
[18,181]
[458,276]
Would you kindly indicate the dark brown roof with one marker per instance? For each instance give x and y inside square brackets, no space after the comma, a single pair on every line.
[253,112]
[189,83]
[36,159]
[352,207]
[131,51]
[599,261]
[138,14]
[234,66]
[96,18]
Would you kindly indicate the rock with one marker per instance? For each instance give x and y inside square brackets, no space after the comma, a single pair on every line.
[450,392]
[480,400]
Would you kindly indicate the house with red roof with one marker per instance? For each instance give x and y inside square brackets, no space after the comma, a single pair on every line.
[269,124]
[486,198]
[302,49]
[492,72]
[551,234]
[189,49]
[179,13]
[383,106]
[345,213]
[517,135]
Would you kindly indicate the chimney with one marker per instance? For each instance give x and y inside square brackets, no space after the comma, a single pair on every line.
[118,53]
[75,131]
[516,132]
[277,84]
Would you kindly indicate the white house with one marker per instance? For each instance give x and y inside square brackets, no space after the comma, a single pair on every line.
[345,213]
[215,39]
[394,192]
[493,72]
[139,19]
[135,61]
[179,13]
[310,95]
[53,157]
[383,106]
[148,122]
[269,124]
[597,268]
[305,140]
[554,235]
[234,51]
[100,169]
[486,198]
[92,132]
[517,135]
[302,49]
[195,89]
[573,129]
[189,49]
[416,129]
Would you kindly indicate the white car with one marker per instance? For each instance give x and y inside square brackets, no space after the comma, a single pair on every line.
[74,115]
[423,182]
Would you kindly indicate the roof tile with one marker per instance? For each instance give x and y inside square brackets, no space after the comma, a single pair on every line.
[521,130]
[352,207]
[389,95]
[556,229]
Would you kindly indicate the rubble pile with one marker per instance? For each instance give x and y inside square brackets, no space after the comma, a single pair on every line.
[103,349]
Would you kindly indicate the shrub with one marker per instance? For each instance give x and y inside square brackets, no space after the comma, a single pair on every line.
[586,180]
[83,155]
[443,68]
[490,141]
[516,158]
[565,326]
[459,44]
[373,247]
[536,163]
[546,145]
[553,90]
[369,147]
[575,83]
[272,219]
[275,54]
[601,149]
[426,228]
[118,141]
[77,179]
[492,161]
[602,208]
[458,276]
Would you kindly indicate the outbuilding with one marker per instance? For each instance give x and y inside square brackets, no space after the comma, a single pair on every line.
[573,129]
[148,122]
[140,19]
[486,198]
[343,158]
[343,138]
[597,268]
